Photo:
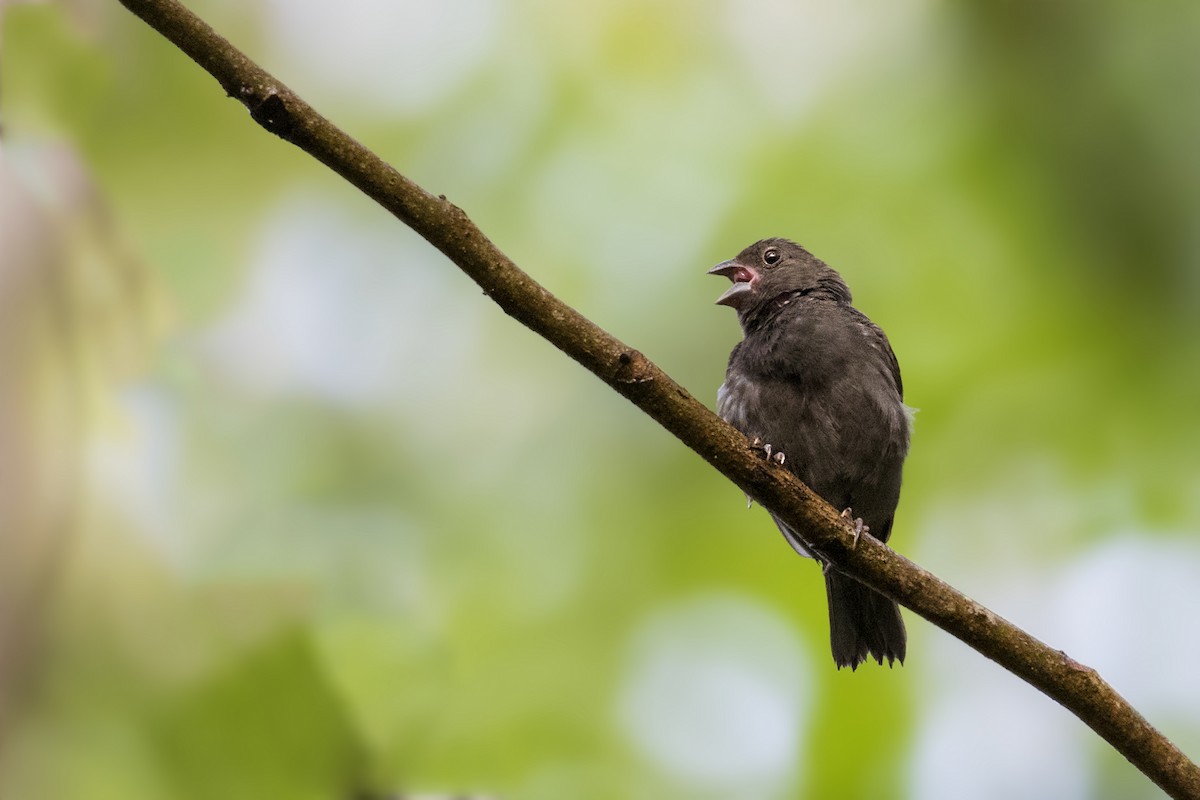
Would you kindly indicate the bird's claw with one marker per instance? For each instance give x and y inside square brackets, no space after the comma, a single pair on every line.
[857,526]
[770,452]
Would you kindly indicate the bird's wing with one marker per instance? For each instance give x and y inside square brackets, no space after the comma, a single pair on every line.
[880,342]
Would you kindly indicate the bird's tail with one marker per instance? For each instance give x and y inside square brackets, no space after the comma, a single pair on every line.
[862,623]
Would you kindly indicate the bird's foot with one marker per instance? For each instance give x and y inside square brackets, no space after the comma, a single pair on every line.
[768,451]
[857,526]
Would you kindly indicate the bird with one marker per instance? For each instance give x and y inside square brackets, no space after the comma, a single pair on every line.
[815,384]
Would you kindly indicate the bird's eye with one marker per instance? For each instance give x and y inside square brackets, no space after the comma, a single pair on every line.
[771,256]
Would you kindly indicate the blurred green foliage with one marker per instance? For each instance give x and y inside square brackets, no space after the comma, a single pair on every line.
[343,527]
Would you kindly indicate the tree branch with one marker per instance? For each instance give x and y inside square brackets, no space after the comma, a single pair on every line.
[445,226]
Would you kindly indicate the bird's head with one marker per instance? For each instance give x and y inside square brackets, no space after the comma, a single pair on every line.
[772,270]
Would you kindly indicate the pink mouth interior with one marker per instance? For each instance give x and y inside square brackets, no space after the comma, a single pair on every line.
[742,275]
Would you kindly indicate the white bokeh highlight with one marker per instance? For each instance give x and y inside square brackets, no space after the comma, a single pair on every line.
[388,57]
[342,309]
[134,464]
[797,52]
[716,695]
[986,735]
[1128,610]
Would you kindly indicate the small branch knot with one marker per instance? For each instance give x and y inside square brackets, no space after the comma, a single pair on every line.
[273,114]
[632,367]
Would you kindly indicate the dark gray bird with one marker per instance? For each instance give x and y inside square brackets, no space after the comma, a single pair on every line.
[817,381]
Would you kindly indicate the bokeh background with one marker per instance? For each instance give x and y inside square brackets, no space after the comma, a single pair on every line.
[289,509]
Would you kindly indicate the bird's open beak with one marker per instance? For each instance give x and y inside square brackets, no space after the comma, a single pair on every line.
[743,282]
